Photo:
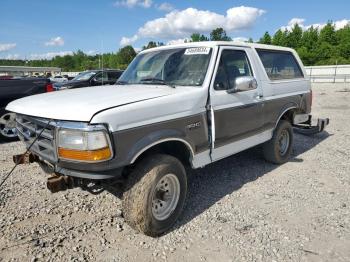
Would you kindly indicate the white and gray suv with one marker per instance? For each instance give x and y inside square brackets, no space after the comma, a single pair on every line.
[174,107]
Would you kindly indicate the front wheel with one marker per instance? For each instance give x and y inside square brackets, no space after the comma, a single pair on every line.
[155,194]
[8,130]
[279,148]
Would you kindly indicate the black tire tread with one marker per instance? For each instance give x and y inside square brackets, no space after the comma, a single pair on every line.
[4,138]
[270,149]
[138,182]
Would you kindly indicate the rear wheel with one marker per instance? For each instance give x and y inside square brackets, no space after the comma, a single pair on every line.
[279,148]
[155,194]
[8,130]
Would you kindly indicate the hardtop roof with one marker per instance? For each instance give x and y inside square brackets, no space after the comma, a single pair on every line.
[219,43]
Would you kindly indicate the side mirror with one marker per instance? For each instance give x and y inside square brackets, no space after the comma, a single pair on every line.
[243,83]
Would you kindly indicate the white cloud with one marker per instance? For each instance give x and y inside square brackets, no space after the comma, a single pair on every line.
[341,23]
[292,22]
[134,3]
[165,7]
[185,22]
[55,41]
[128,40]
[6,47]
[11,57]
[91,52]
[49,55]
[137,49]
[300,21]
[240,39]
[178,41]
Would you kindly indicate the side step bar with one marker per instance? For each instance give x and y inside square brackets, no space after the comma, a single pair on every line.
[306,128]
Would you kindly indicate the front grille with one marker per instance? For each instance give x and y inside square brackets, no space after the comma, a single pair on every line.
[29,129]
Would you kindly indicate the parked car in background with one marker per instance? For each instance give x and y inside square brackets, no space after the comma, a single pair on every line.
[58,79]
[5,77]
[91,78]
[12,89]
[68,77]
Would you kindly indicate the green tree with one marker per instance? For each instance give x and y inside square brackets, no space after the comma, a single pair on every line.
[308,57]
[328,35]
[125,55]
[279,38]
[293,39]
[219,34]
[150,44]
[196,37]
[343,36]
[266,39]
[310,38]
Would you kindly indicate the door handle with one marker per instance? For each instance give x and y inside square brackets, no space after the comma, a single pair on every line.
[259,96]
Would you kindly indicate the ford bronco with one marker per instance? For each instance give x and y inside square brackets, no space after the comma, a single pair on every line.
[174,108]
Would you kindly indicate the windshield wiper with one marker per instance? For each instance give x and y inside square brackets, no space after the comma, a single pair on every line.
[157,80]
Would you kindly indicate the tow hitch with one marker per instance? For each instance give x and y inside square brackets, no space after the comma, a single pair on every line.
[59,182]
[306,128]
[24,158]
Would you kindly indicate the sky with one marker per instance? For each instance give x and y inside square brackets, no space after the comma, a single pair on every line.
[38,29]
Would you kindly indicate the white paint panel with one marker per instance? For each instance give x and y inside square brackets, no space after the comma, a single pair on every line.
[201,159]
[185,101]
[81,104]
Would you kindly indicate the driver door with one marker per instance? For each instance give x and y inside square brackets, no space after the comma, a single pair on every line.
[237,117]
[100,79]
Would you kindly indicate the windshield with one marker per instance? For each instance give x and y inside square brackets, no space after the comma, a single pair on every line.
[84,76]
[180,66]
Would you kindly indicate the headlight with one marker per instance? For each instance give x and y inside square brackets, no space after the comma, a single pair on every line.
[86,146]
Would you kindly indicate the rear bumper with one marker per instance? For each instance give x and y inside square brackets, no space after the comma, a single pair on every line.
[307,128]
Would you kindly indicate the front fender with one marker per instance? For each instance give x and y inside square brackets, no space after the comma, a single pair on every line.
[156,138]
[192,131]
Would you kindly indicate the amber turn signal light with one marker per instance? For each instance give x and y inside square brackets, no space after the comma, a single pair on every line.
[87,156]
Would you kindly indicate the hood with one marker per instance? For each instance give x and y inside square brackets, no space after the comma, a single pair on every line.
[83,104]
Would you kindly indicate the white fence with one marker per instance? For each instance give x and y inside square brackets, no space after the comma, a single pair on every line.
[28,70]
[329,74]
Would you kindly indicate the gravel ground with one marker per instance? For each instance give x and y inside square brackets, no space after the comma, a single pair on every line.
[238,209]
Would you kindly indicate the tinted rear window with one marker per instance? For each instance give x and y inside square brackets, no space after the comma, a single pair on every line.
[113,76]
[280,64]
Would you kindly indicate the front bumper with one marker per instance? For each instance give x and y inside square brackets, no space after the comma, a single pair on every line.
[110,174]
[51,168]
[39,136]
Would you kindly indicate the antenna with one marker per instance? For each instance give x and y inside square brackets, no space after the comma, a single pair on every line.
[102,59]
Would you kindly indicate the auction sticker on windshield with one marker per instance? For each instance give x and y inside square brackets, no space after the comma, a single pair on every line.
[197,51]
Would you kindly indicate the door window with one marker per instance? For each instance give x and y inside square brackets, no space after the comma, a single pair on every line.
[233,64]
[101,77]
[113,76]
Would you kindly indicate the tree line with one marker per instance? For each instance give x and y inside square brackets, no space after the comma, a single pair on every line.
[79,61]
[326,46]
